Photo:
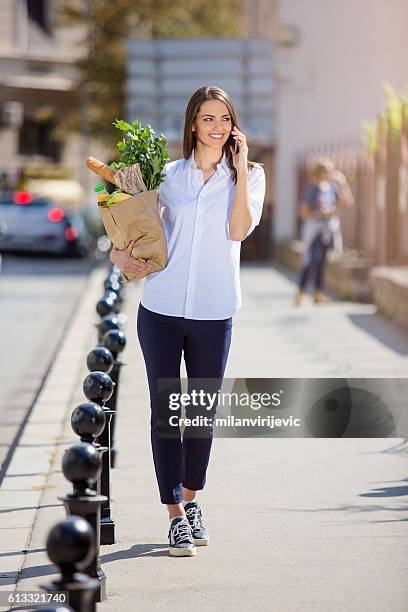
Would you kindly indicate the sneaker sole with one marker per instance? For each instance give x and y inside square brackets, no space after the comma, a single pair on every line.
[201,542]
[182,552]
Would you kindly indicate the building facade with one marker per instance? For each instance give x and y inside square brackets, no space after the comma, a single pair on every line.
[332,60]
[37,77]
[38,84]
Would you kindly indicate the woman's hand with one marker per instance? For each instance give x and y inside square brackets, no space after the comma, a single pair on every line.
[128,264]
[240,153]
[339,178]
[345,195]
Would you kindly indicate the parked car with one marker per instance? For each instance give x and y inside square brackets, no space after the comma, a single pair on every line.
[38,225]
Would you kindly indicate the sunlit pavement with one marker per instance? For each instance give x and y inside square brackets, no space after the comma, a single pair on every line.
[295,524]
[301,524]
[273,337]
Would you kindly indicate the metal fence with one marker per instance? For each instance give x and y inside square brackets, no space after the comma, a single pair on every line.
[376,227]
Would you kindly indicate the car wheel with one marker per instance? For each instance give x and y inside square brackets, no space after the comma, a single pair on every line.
[75,251]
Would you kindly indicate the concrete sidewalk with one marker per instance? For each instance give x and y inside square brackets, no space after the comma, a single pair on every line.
[295,524]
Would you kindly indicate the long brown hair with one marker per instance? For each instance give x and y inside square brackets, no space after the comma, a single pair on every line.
[193,107]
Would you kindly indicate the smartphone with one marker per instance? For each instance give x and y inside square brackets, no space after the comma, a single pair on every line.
[234,142]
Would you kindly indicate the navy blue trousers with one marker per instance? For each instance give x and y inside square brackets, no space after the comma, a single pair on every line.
[317,262]
[180,460]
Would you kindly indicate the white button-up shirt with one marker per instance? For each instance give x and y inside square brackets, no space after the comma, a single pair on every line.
[201,279]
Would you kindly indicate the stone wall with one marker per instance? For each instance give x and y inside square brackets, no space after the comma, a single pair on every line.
[347,275]
[351,277]
[390,292]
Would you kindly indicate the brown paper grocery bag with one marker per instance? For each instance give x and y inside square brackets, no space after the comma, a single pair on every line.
[137,218]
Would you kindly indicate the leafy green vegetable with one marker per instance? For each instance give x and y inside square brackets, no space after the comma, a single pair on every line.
[141,146]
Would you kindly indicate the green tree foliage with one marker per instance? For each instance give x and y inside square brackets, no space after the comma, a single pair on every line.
[392,117]
[107,25]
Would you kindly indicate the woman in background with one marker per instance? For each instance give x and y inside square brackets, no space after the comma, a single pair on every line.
[327,189]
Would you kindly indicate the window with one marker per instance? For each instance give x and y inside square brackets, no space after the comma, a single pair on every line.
[36,138]
[37,11]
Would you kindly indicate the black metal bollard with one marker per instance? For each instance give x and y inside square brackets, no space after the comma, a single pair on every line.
[117,272]
[98,387]
[107,323]
[115,341]
[101,356]
[111,404]
[106,305]
[116,306]
[111,295]
[100,359]
[112,285]
[70,545]
[88,421]
[81,465]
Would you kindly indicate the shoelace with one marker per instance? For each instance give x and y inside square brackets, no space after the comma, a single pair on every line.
[181,532]
[196,517]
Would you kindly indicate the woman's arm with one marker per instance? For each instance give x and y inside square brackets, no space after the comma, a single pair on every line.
[344,193]
[240,219]
[128,264]
[250,189]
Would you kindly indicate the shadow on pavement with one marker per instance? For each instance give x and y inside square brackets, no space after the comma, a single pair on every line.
[28,572]
[137,550]
[387,492]
[386,332]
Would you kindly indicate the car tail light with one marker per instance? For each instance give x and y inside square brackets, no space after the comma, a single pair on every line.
[71,233]
[55,215]
[22,197]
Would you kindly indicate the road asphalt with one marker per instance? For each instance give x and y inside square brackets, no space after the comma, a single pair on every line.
[37,297]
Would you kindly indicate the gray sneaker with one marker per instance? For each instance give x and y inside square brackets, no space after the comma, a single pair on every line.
[195,518]
[181,542]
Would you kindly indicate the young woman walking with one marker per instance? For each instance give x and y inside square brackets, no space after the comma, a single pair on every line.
[210,200]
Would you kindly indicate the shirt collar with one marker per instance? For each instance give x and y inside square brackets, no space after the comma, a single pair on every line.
[191,164]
